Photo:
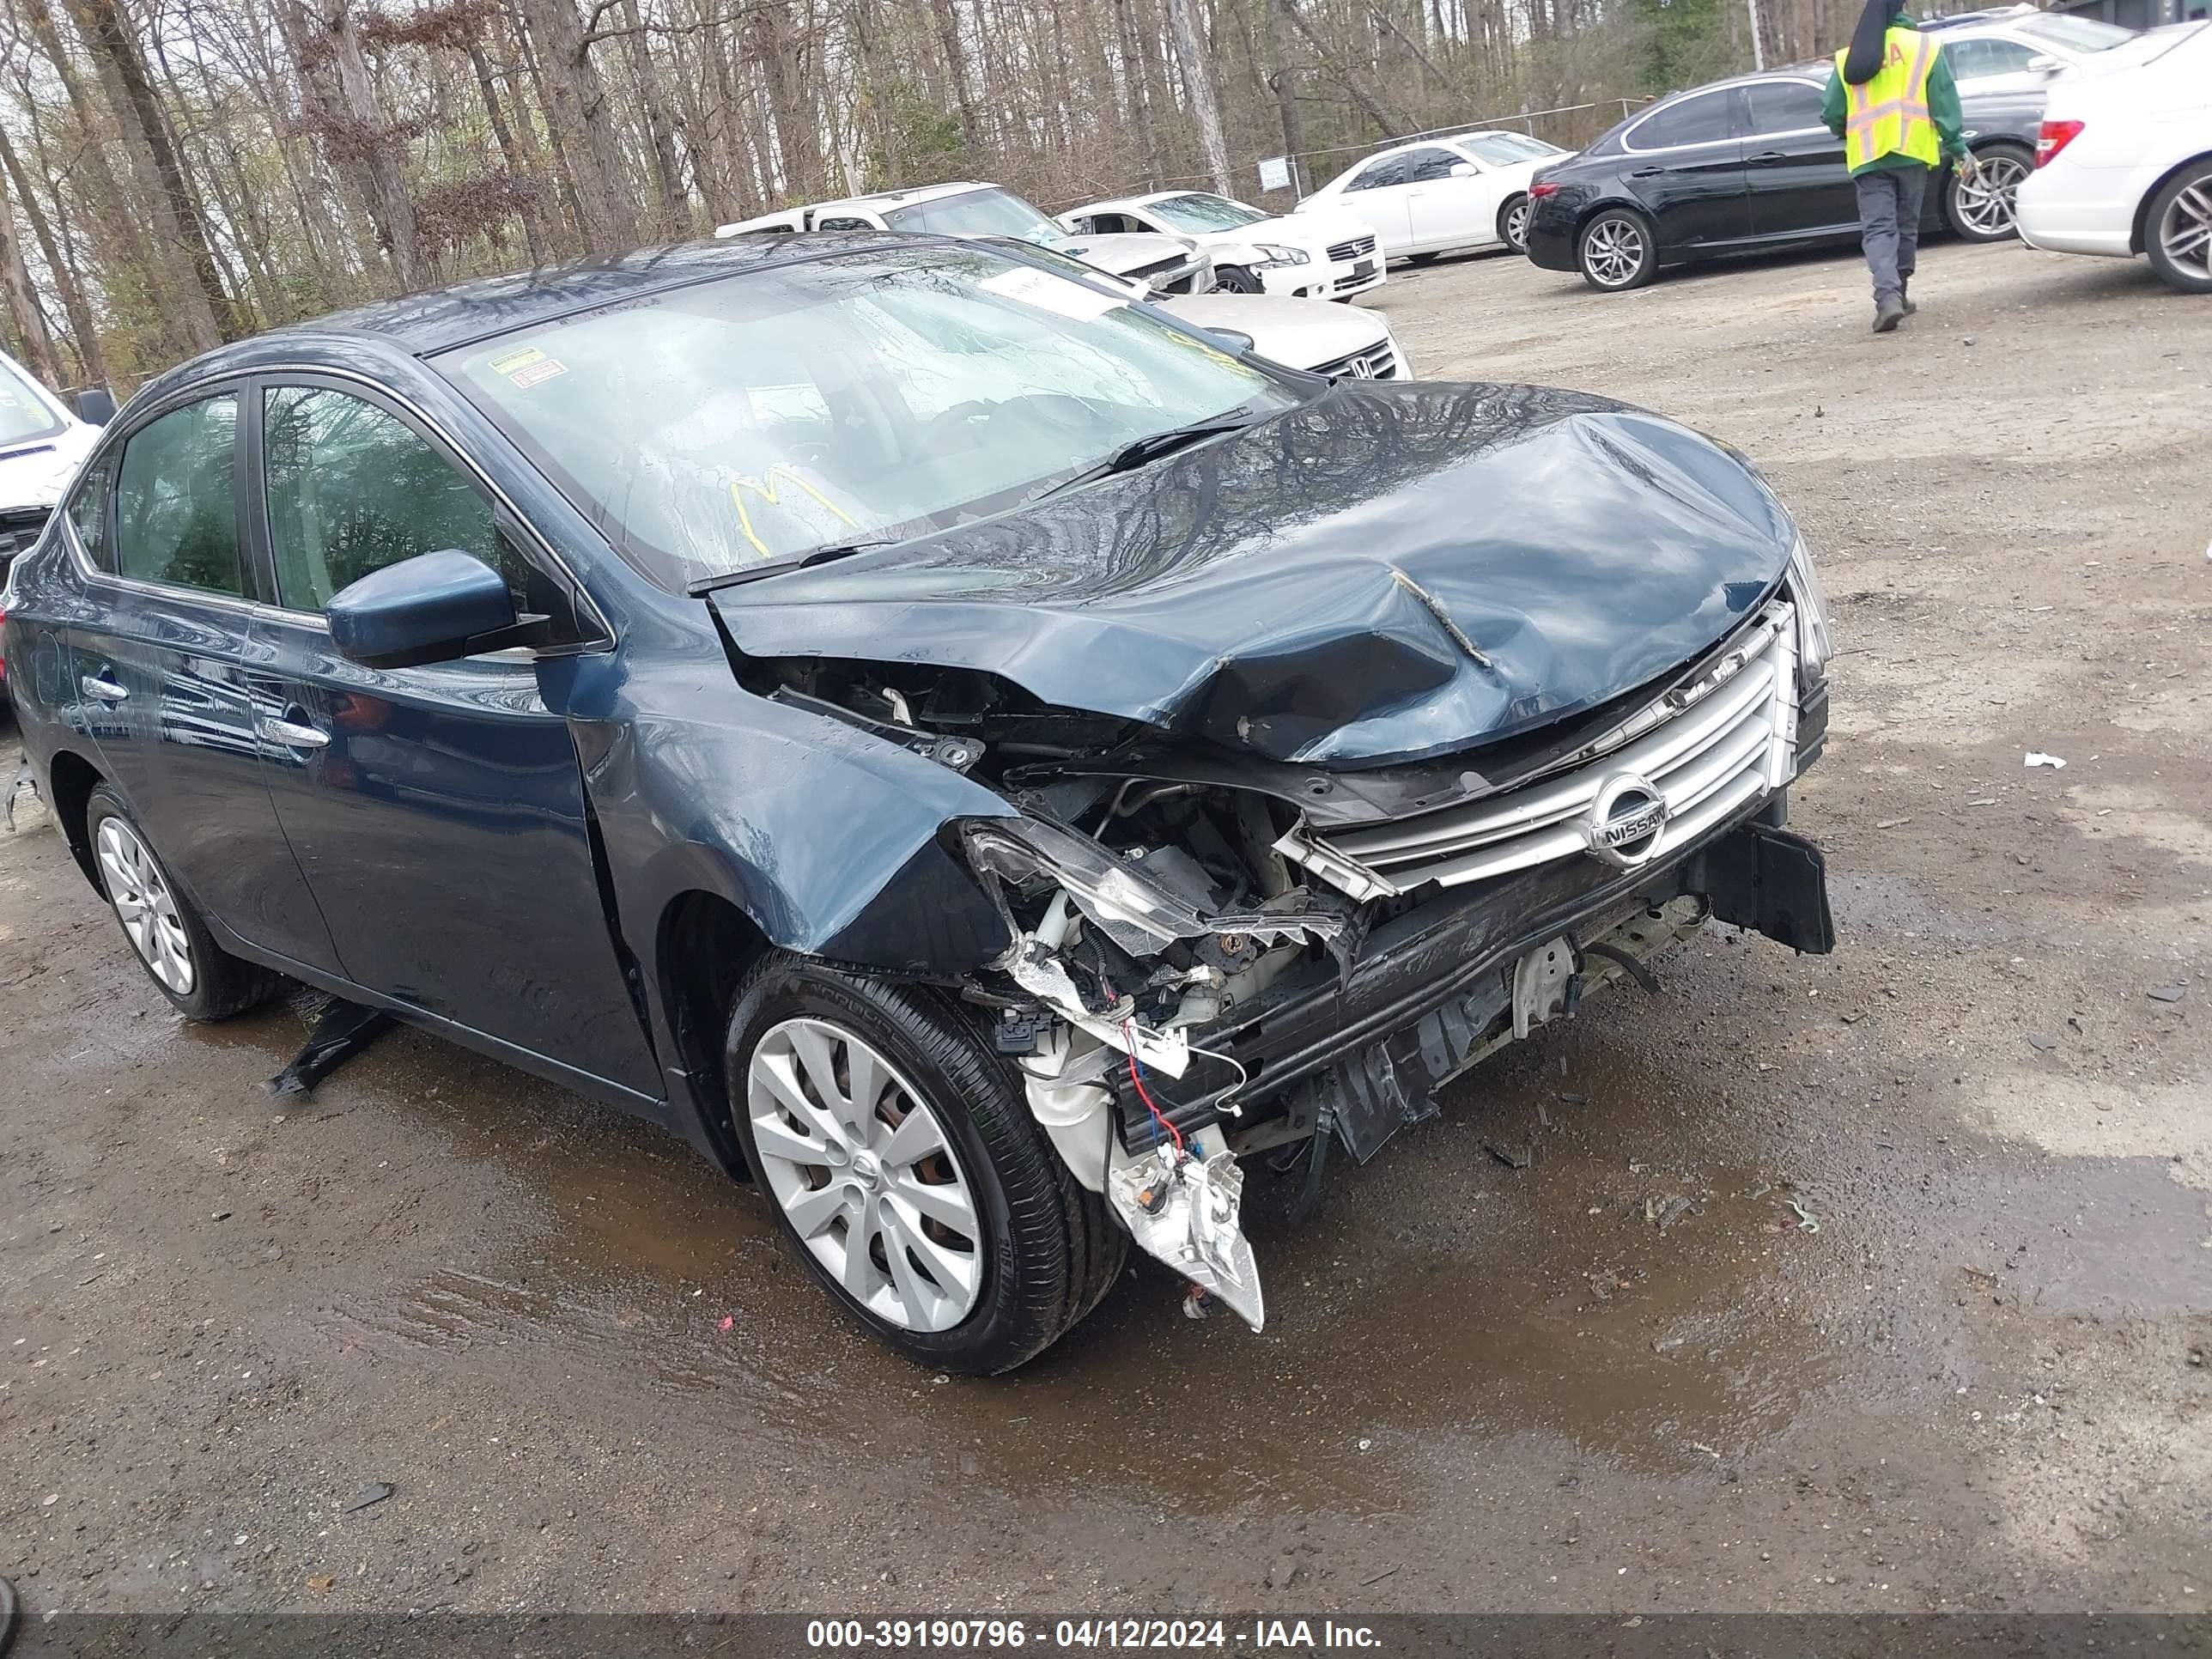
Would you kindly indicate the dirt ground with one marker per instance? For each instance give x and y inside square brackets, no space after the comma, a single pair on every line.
[1980,1382]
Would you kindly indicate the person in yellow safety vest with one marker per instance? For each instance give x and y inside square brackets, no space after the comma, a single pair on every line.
[1892,100]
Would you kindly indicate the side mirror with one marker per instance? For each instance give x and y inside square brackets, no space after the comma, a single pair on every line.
[2044,64]
[434,607]
[96,405]
[1464,169]
[1232,339]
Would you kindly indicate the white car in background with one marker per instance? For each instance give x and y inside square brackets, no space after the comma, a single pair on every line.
[1465,190]
[1167,264]
[2017,48]
[2124,165]
[1307,256]
[1316,335]
[42,441]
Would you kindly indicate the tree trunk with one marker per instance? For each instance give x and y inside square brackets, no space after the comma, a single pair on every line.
[579,111]
[39,356]
[83,331]
[660,126]
[509,150]
[956,65]
[1198,72]
[380,158]
[1285,88]
[203,310]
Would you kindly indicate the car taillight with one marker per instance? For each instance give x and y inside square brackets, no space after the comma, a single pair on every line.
[1539,192]
[2054,137]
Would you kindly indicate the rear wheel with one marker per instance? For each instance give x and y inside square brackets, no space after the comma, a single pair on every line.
[902,1161]
[1616,251]
[202,981]
[2177,230]
[1981,208]
[1513,224]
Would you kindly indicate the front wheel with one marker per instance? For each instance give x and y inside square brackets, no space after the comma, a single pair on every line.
[202,981]
[1235,279]
[1616,251]
[903,1165]
[1983,209]
[2179,229]
[1513,224]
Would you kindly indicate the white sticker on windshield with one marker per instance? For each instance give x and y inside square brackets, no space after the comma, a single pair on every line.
[1047,292]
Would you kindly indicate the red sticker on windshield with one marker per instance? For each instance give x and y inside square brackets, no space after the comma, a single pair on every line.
[543,369]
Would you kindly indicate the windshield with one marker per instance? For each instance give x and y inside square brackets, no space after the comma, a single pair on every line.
[1505,148]
[862,397]
[2076,34]
[976,213]
[1203,212]
[24,415]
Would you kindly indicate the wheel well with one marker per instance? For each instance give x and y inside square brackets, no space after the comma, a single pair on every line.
[69,781]
[2139,237]
[707,946]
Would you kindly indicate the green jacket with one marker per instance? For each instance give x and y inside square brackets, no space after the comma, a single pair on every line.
[1942,110]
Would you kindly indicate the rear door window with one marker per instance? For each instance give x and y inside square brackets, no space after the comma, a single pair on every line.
[176,499]
[1704,118]
[1977,60]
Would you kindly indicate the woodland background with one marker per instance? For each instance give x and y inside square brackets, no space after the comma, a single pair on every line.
[178,172]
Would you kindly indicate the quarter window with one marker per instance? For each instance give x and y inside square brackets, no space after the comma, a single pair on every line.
[1705,118]
[88,510]
[1784,107]
[176,509]
[351,488]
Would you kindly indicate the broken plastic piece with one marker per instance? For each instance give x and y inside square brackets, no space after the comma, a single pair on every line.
[2037,757]
[342,1031]
[1193,1229]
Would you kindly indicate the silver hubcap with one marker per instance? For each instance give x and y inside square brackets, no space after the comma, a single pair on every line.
[1986,201]
[2185,232]
[1613,252]
[865,1174]
[1516,226]
[144,905]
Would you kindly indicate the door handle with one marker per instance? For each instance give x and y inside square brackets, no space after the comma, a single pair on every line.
[1648,173]
[1771,155]
[294,735]
[102,689]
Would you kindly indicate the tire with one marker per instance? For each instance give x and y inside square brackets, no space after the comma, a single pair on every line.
[1235,279]
[1019,1251]
[201,980]
[2177,229]
[1623,257]
[1513,222]
[1984,211]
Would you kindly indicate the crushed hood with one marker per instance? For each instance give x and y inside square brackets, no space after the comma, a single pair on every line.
[1386,573]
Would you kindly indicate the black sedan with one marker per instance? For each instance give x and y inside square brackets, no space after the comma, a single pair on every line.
[956,746]
[1747,166]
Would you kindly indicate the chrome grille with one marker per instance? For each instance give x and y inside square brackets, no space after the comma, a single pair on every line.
[1376,362]
[1358,248]
[1720,744]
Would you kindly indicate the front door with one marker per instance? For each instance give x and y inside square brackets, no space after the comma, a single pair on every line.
[1794,165]
[439,812]
[1378,194]
[167,683]
[1455,205]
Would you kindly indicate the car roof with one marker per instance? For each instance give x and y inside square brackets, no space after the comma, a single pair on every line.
[423,323]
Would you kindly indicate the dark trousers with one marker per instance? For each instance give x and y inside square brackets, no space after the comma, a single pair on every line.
[1889,224]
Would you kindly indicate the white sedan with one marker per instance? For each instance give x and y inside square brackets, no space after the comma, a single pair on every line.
[2124,165]
[1315,334]
[1317,256]
[1469,189]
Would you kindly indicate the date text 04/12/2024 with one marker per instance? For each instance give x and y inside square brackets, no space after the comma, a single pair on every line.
[998,1635]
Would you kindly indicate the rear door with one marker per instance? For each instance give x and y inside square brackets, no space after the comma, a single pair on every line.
[1377,194]
[1684,162]
[1793,165]
[438,811]
[164,670]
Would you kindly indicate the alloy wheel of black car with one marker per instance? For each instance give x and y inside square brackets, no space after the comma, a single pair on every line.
[201,980]
[1513,224]
[1981,208]
[902,1160]
[1615,252]
[2178,230]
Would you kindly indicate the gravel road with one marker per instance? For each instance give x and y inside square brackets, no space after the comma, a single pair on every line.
[1931,1333]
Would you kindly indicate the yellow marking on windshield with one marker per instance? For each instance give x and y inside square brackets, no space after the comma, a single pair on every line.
[765,487]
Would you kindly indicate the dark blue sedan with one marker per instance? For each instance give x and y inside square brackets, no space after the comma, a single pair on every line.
[991,764]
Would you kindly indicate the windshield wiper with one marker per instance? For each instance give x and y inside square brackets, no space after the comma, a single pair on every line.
[1155,445]
[753,573]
